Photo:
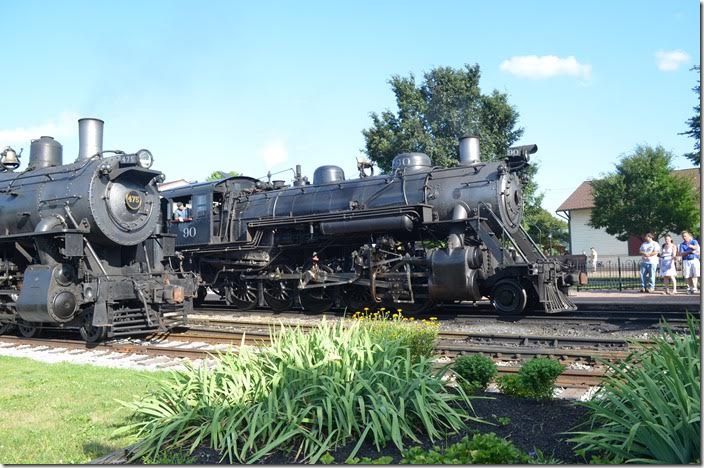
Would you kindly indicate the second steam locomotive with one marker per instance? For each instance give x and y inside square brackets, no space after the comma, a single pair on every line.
[81,245]
[414,237]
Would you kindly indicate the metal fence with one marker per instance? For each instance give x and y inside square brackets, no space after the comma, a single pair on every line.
[620,274]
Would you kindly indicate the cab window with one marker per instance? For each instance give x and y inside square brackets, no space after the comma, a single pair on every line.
[181,210]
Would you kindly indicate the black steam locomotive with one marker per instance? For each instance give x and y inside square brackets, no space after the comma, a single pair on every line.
[81,245]
[412,238]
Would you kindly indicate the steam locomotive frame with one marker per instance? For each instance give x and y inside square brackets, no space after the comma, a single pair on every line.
[81,245]
[412,238]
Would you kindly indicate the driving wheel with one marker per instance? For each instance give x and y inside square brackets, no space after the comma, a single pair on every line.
[357,298]
[317,300]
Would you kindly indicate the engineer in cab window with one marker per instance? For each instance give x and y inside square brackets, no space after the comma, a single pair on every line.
[181,212]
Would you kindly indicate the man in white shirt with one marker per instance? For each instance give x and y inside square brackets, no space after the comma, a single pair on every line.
[649,251]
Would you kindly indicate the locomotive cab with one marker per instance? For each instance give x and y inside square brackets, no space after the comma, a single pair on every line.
[208,206]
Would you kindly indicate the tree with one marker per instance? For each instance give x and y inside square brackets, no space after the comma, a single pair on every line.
[695,125]
[433,116]
[544,227]
[221,175]
[644,196]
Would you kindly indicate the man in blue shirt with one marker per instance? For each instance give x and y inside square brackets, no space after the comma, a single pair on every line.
[689,251]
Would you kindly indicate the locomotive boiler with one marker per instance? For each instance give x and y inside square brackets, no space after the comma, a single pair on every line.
[414,237]
[81,245]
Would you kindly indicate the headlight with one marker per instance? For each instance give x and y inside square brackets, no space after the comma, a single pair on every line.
[145,158]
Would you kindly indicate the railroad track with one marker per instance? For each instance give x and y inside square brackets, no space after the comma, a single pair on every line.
[466,313]
[571,378]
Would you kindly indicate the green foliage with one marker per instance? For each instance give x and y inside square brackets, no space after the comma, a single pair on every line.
[433,115]
[480,449]
[539,458]
[643,196]
[217,175]
[477,371]
[419,337]
[540,224]
[385,460]
[169,458]
[510,385]
[327,459]
[694,124]
[535,379]
[649,408]
[305,393]
[504,420]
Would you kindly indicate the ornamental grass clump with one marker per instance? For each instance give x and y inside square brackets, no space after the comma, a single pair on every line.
[305,394]
[649,408]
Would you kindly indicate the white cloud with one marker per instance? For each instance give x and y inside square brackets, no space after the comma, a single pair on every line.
[274,153]
[671,60]
[545,66]
[65,125]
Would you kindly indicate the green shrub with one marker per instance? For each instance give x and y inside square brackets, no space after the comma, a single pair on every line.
[649,409]
[538,376]
[477,371]
[535,379]
[480,449]
[305,393]
[418,336]
[509,385]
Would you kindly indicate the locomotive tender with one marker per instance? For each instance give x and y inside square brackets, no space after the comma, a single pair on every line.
[81,245]
[417,236]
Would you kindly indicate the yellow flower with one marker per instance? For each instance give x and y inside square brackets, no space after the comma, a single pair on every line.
[432,318]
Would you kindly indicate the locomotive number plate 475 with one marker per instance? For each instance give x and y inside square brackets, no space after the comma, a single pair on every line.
[133,200]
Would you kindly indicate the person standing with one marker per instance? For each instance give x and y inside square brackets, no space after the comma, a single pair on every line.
[649,251]
[668,272]
[689,251]
[594,257]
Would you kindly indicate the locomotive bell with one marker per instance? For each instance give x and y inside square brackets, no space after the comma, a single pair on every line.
[9,160]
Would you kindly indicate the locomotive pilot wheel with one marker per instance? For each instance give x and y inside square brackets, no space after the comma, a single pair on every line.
[89,333]
[509,297]
[241,294]
[27,330]
[278,293]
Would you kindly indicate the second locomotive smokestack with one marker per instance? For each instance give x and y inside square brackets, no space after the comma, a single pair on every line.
[469,150]
[90,138]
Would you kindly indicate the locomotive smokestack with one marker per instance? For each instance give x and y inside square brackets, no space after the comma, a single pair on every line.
[90,138]
[469,150]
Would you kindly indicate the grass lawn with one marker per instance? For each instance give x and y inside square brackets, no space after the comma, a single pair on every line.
[63,413]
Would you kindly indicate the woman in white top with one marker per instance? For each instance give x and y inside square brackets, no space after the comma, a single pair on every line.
[667,265]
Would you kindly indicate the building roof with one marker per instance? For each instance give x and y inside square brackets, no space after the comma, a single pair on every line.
[582,198]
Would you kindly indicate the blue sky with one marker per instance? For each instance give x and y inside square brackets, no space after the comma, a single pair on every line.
[255,87]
